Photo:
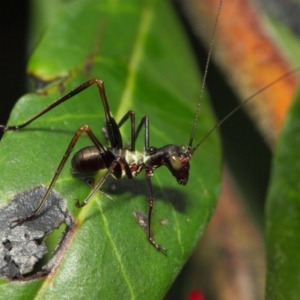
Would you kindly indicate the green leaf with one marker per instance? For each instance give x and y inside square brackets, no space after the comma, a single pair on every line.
[138,48]
[283,214]
[283,206]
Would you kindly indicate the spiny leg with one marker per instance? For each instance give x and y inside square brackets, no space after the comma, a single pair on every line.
[79,132]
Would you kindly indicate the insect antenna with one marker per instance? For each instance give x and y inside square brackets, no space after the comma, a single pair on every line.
[204,77]
[239,106]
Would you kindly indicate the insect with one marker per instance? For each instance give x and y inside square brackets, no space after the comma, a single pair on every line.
[120,161]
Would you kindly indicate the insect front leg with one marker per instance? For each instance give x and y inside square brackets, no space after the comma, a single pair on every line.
[83,129]
[150,208]
[145,122]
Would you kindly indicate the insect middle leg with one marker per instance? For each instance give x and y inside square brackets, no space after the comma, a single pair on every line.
[135,132]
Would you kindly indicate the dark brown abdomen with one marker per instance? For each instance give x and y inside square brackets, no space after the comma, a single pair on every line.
[87,161]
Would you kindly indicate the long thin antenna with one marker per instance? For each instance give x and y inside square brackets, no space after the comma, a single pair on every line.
[204,76]
[242,104]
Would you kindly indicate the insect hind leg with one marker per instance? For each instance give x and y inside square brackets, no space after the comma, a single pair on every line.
[83,129]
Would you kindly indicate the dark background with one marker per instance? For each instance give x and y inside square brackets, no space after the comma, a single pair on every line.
[13,54]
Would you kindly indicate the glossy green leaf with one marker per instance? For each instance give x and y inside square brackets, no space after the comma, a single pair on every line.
[283,214]
[283,206]
[138,48]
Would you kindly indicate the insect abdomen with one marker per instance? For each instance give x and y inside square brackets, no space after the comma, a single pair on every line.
[87,161]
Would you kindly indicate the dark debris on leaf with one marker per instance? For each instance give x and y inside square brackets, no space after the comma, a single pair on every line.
[22,246]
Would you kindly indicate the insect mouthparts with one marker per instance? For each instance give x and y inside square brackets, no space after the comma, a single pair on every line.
[182,181]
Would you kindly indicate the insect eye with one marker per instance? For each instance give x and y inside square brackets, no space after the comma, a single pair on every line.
[175,162]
